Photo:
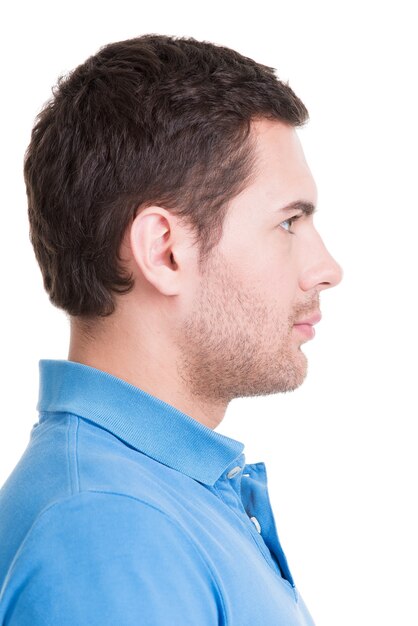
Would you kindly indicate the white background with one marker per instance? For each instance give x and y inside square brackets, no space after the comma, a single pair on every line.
[341,450]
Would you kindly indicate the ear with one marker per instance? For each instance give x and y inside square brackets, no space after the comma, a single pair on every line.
[159,249]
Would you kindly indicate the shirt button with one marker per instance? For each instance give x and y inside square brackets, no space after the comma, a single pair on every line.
[234,471]
[256,524]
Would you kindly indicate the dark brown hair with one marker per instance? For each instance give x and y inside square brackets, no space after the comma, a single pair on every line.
[151,120]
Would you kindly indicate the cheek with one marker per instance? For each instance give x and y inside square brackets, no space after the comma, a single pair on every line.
[274,287]
[282,289]
[266,267]
[277,272]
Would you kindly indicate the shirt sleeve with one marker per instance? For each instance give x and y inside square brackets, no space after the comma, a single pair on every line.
[99,558]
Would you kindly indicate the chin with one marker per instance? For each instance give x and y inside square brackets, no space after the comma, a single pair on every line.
[295,384]
[300,374]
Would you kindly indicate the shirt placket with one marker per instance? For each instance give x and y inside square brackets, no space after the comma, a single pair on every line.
[244,489]
[256,502]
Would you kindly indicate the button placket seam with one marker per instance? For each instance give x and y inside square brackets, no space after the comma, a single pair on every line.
[263,546]
[255,536]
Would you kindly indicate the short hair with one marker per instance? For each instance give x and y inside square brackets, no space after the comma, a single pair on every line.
[151,120]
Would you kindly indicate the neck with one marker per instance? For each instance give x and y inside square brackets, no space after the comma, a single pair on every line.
[147,361]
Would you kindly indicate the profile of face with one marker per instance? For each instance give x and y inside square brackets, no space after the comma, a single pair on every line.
[240,335]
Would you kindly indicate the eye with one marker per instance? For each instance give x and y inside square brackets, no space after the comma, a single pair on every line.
[288,223]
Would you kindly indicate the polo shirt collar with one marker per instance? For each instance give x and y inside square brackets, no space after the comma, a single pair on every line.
[140,419]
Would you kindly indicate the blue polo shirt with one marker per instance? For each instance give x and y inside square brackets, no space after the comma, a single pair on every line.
[125,511]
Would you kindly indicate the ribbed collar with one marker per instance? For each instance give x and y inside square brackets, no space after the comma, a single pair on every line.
[145,422]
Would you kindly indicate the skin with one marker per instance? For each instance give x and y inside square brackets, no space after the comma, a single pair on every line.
[196,340]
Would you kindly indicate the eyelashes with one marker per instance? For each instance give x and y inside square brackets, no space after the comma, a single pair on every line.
[290,221]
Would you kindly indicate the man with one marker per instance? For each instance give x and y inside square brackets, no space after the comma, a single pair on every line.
[170,210]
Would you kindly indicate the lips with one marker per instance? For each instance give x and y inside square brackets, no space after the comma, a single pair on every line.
[306,326]
[310,321]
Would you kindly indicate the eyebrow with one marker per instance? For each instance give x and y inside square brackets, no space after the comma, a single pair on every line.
[307,208]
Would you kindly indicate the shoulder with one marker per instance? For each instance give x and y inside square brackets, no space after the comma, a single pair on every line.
[96,546]
[89,518]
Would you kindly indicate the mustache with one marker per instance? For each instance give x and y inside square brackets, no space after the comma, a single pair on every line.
[305,309]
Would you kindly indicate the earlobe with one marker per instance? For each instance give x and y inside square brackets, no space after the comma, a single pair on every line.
[151,239]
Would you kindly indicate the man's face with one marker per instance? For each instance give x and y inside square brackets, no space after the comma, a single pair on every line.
[240,337]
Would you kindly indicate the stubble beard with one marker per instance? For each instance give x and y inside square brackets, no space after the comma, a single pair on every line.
[226,345]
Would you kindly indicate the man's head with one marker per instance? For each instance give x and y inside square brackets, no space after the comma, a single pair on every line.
[149,121]
[156,180]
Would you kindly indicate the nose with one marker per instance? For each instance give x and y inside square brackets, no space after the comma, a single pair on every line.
[321,271]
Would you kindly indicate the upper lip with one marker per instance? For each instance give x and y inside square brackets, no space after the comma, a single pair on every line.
[314,319]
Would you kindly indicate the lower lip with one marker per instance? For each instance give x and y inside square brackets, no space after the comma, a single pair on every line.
[306,329]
